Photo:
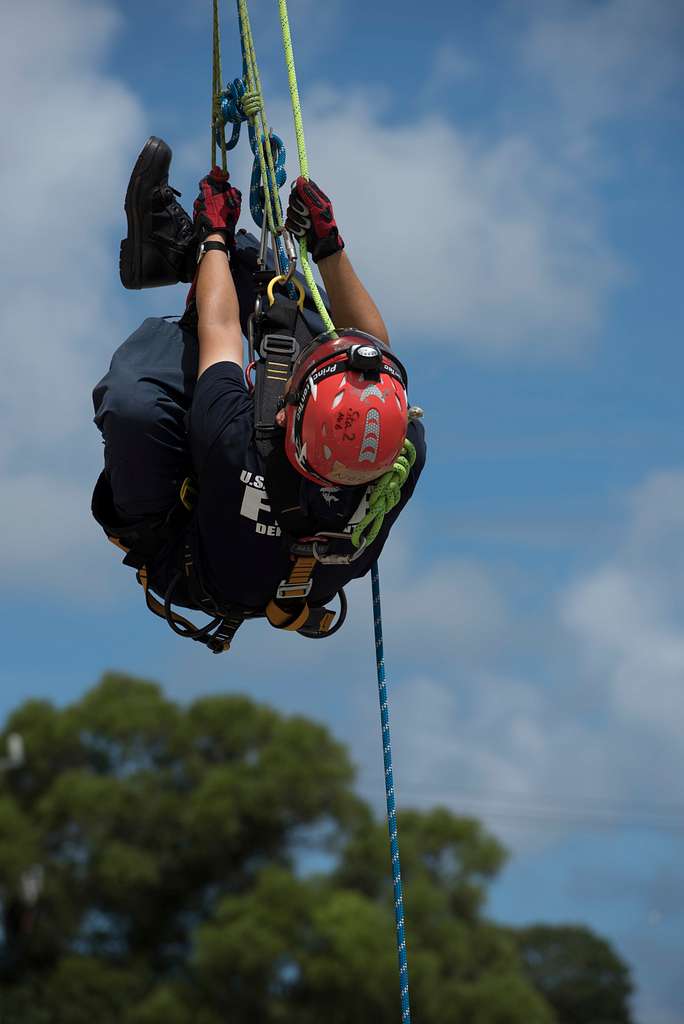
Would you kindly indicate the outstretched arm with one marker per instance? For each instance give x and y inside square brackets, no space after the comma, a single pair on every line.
[350,303]
[216,213]
[310,216]
[219,332]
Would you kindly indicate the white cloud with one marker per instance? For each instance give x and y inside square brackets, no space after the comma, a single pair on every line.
[443,605]
[490,241]
[486,241]
[626,615]
[55,546]
[488,246]
[69,131]
[562,743]
[606,59]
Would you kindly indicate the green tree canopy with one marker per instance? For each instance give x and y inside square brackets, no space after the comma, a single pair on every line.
[178,848]
[579,973]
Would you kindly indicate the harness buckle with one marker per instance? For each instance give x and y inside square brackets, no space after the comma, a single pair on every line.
[278,345]
[289,591]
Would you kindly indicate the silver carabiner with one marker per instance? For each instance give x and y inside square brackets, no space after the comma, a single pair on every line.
[335,559]
[291,253]
[250,336]
[263,245]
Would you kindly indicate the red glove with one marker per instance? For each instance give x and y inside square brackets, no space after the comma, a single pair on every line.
[217,207]
[310,216]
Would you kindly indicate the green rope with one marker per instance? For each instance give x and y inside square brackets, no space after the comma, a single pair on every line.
[384,496]
[303,160]
[256,113]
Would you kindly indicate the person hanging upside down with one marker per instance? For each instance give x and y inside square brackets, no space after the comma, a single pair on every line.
[218,510]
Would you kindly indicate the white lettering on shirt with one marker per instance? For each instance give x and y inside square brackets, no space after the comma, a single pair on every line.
[268,531]
[254,501]
[247,477]
[255,504]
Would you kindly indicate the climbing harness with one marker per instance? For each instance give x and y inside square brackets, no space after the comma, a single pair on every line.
[277,332]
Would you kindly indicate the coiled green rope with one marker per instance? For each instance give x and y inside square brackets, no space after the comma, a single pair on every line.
[384,495]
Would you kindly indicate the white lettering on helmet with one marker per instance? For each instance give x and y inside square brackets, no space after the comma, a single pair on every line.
[324,371]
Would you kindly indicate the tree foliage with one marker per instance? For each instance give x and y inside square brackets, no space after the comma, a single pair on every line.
[178,847]
[578,972]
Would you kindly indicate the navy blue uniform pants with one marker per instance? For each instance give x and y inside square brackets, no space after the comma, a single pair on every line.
[140,407]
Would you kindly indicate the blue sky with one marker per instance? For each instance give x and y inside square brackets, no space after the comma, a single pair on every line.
[507,177]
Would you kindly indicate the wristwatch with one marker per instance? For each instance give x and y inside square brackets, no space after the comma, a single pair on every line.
[209,247]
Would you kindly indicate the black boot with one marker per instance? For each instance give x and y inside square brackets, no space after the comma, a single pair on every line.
[159,248]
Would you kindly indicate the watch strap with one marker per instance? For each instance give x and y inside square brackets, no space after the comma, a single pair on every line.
[210,247]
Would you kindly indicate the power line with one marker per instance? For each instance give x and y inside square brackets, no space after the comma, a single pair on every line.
[667,817]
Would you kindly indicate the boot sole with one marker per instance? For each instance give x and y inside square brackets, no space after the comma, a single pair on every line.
[154,159]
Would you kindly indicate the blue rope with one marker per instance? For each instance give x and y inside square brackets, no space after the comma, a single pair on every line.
[231,110]
[256,194]
[391,803]
[232,113]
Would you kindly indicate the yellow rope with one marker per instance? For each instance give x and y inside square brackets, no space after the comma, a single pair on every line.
[303,161]
[216,119]
[261,130]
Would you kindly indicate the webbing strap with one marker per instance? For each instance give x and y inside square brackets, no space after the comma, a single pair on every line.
[277,354]
[298,584]
[217,636]
[156,606]
[289,608]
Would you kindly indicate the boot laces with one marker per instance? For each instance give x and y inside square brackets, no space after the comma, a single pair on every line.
[166,194]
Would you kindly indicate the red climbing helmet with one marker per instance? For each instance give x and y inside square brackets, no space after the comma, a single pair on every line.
[346,409]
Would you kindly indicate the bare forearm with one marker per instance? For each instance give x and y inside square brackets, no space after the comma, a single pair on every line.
[351,305]
[220,336]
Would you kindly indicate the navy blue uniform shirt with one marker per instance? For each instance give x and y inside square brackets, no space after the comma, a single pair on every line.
[241,553]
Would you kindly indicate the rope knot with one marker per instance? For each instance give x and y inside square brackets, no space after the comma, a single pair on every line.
[230,109]
[251,104]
